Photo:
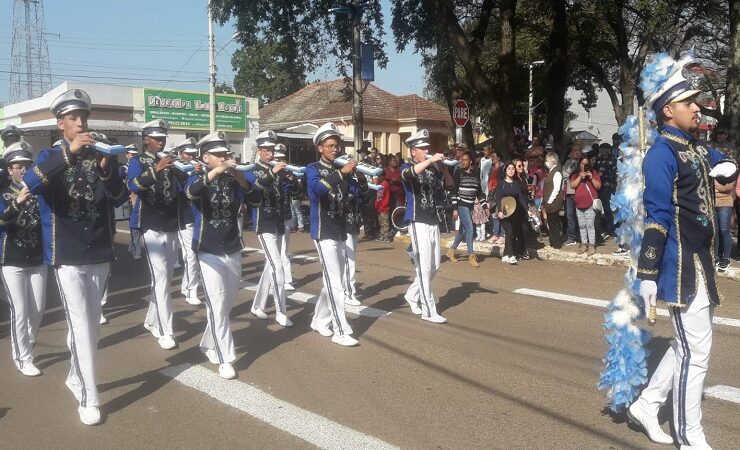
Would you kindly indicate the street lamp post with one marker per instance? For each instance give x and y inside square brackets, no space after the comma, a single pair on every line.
[355,11]
[212,71]
[531,95]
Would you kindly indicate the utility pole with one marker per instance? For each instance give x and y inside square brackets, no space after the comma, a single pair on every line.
[211,71]
[531,95]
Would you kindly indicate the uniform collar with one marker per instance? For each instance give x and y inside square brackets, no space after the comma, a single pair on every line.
[677,132]
[262,164]
[326,163]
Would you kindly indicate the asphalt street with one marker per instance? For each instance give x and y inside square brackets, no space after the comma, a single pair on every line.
[509,370]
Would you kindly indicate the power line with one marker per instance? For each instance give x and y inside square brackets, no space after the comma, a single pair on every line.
[108,78]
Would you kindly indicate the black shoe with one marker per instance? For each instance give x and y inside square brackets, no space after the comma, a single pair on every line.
[723,264]
[525,256]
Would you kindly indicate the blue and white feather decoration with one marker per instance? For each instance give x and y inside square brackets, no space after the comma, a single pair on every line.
[625,363]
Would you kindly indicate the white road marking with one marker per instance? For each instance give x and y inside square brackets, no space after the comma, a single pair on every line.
[303,424]
[302,297]
[604,303]
[727,393]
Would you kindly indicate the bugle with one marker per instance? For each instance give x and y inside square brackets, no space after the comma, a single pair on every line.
[103,145]
[366,169]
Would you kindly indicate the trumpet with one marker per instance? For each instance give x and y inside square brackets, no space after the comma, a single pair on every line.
[178,164]
[103,145]
[367,169]
[449,162]
[298,171]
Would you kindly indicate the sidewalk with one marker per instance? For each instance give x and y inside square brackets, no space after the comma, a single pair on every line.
[603,256]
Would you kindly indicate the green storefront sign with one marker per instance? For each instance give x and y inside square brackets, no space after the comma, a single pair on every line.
[188,110]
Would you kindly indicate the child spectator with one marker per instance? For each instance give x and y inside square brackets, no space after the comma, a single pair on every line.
[382,207]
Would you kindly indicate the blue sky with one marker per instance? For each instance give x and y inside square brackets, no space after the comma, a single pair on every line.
[158,43]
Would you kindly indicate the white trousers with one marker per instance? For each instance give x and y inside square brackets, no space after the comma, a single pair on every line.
[220,276]
[287,269]
[189,285]
[161,252]
[330,305]
[273,275]
[350,248]
[25,288]
[683,369]
[427,258]
[81,289]
[104,300]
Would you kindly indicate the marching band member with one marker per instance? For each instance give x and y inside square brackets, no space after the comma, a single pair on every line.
[421,181]
[22,258]
[77,188]
[155,214]
[269,224]
[328,188]
[294,184]
[134,247]
[216,197]
[353,216]
[189,287]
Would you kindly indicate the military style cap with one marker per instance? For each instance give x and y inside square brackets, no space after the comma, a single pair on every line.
[131,148]
[155,128]
[673,90]
[326,131]
[72,100]
[187,146]
[10,135]
[266,139]
[214,143]
[280,151]
[18,152]
[420,139]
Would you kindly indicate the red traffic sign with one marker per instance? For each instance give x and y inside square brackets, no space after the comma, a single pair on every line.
[460,113]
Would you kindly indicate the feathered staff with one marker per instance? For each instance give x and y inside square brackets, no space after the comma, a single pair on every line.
[626,361]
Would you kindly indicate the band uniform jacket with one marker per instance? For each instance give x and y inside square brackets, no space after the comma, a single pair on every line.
[679,217]
[76,201]
[20,229]
[157,194]
[274,208]
[328,190]
[421,194]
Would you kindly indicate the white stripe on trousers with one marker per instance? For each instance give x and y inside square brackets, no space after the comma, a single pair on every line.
[161,252]
[81,289]
[287,269]
[273,276]
[350,269]
[189,285]
[683,368]
[220,277]
[330,305]
[427,258]
[25,288]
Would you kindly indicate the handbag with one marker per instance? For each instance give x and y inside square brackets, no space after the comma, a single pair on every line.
[597,205]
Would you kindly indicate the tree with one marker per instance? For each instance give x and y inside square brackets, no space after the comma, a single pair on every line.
[731,117]
[282,40]
[224,88]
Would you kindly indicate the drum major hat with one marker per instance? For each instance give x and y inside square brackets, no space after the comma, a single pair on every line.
[72,100]
[662,81]
[155,128]
[420,139]
[214,143]
[326,131]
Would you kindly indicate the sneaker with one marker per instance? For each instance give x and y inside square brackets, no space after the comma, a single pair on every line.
[582,249]
[226,371]
[166,342]
[591,250]
[324,331]
[195,301]
[257,311]
[649,424]
[723,264]
[288,287]
[434,319]
[345,340]
[451,255]
[605,236]
[505,259]
[352,301]
[512,260]
[526,256]
[212,356]
[621,251]
[568,243]
[473,261]
[177,265]
[103,319]
[152,330]
[415,308]
[136,257]
[30,370]
[89,415]
[283,320]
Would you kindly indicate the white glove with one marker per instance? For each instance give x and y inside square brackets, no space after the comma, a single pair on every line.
[649,293]
[723,170]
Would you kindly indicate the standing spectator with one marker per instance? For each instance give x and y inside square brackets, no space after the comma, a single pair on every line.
[382,207]
[466,191]
[607,167]
[393,177]
[723,194]
[486,163]
[535,153]
[528,189]
[514,240]
[616,142]
[553,200]
[571,222]
[586,183]
[494,179]
[374,153]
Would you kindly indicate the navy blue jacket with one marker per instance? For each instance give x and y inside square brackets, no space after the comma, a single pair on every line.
[421,193]
[157,194]
[20,230]
[328,191]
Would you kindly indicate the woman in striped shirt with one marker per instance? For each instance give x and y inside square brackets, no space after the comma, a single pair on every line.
[466,190]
